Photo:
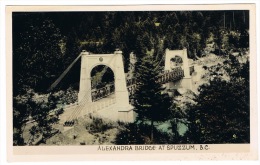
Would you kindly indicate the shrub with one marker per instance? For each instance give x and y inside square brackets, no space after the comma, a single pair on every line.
[98,125]
[134,133]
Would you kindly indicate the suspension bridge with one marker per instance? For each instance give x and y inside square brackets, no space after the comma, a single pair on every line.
[113,101]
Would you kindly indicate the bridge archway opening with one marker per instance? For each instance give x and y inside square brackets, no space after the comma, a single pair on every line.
[101,75]
[176,61]
[102,82]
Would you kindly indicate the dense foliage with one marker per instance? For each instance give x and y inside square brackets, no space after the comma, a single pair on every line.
[46,43]
[37,56]
[222,112]
[41,113]
[134,133]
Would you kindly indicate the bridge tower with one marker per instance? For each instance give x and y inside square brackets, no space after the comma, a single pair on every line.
[115,62]
[186,82]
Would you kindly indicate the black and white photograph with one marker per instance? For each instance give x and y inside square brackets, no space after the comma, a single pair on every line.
[132,79]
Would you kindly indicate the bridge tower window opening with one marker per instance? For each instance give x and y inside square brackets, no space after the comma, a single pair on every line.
[176,61]
[102,82]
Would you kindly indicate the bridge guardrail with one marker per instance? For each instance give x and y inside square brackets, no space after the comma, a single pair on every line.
[100,93]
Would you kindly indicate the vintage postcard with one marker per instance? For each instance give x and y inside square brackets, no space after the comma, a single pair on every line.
[177,82]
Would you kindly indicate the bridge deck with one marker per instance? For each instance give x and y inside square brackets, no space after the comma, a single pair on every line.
[103,107]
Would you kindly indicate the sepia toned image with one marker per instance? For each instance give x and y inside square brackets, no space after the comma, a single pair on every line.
[132,80]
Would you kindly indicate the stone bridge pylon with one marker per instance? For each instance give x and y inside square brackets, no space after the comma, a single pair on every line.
[115,63]
[175,59]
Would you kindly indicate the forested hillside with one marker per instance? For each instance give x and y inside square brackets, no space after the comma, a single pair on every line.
[44,44]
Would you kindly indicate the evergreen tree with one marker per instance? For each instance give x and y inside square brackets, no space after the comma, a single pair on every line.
[150,102]
[222,112]
[37,55]
[72,50]
[21,112]
[43,113]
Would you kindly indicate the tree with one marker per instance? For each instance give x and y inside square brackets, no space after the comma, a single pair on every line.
[21,112]
[41,112]
[134,133]
[45,114]
[37,54]
[150,101]
[72,51]
[222,112]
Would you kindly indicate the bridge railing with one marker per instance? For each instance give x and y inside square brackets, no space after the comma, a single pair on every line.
[164,77]
[81,109]
[100,93]
[173,75]
[86,108]
[99,105]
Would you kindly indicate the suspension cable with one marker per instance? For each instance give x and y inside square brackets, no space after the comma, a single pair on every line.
[63,74]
